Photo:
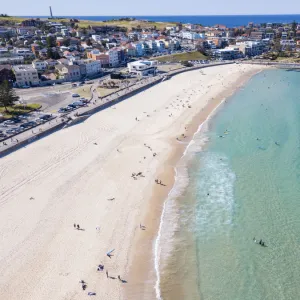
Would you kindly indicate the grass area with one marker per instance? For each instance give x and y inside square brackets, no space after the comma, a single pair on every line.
[167,68]
[12,19]
[288,59]
[18,110]
[196,55]
[104,92]
[83,91]
[127,24]
[86,23]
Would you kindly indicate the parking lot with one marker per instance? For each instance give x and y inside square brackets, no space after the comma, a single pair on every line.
[21,123]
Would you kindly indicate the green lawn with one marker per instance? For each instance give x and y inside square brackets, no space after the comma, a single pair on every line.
[182,57]
[18,110]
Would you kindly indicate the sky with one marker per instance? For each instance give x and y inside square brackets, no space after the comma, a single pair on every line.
[152,7]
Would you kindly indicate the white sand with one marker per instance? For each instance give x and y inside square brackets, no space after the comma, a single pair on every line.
[71,178]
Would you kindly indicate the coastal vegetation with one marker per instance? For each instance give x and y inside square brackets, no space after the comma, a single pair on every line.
[124,22]
[195,55]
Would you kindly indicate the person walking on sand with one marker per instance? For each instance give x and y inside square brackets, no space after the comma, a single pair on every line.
[78,227]
[119,277]
[106,274]
[74,225]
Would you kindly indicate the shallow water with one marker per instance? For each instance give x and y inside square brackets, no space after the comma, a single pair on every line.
[244,184]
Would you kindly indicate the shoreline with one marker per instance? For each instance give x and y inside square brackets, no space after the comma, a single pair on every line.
[177,154]
[84,175]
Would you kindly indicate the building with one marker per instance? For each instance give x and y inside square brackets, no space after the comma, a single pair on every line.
[113,57]
[143,67]
[12,60]
[26,75]
[89,67]
[39,65]
[160,46]
[251,48]
[27,53]
[227,54]
[69,73]
[96,38]
[6,73]
[189,35]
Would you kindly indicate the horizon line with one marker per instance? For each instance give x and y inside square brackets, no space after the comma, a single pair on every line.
[287,14]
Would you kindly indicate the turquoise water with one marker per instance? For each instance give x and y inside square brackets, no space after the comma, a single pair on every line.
[245,186]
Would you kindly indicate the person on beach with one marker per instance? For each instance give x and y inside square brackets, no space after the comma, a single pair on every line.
[75,226]
[106,274]
[78,227]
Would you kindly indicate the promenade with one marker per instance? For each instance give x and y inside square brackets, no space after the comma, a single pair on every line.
[95,104]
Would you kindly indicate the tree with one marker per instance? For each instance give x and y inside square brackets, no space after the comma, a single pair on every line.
[7,95]
[50,41]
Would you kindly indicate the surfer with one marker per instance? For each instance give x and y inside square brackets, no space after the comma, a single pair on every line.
[276,143]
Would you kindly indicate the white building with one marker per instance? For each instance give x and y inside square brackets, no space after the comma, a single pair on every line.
[39,65]
[96,38]
[13,60]
[143,67]
[113,57]
[192,35]
[89,67]
[23,52]
[160,46]
[26,75]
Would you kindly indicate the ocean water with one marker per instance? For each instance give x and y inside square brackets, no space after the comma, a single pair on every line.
[229,21]
[244,183]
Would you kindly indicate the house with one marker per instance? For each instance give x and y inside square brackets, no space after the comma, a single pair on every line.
[69,72]
[143,68]
[93,54]
[31,22]
[257,35]
[96,38]
[39,65]
[26,75]
[6,73]
[25,30]
[51,62]
[63,61]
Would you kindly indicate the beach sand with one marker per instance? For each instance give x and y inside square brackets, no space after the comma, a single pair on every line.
[68,177]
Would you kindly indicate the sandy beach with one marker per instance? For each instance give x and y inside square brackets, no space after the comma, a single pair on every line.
[84,175]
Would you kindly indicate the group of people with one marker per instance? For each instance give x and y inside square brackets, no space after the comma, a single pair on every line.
[261,242]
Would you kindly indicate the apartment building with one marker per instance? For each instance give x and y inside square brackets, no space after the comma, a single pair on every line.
[113,57]
[89,67]
[26,75]
[39,65]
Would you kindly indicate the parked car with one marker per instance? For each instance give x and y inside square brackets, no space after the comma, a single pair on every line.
[78,103]
[28,124]
[9,122]
[62,110]
[75,95]
[46,117]
[72,106]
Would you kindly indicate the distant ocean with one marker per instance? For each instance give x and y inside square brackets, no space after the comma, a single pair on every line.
[229,21]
